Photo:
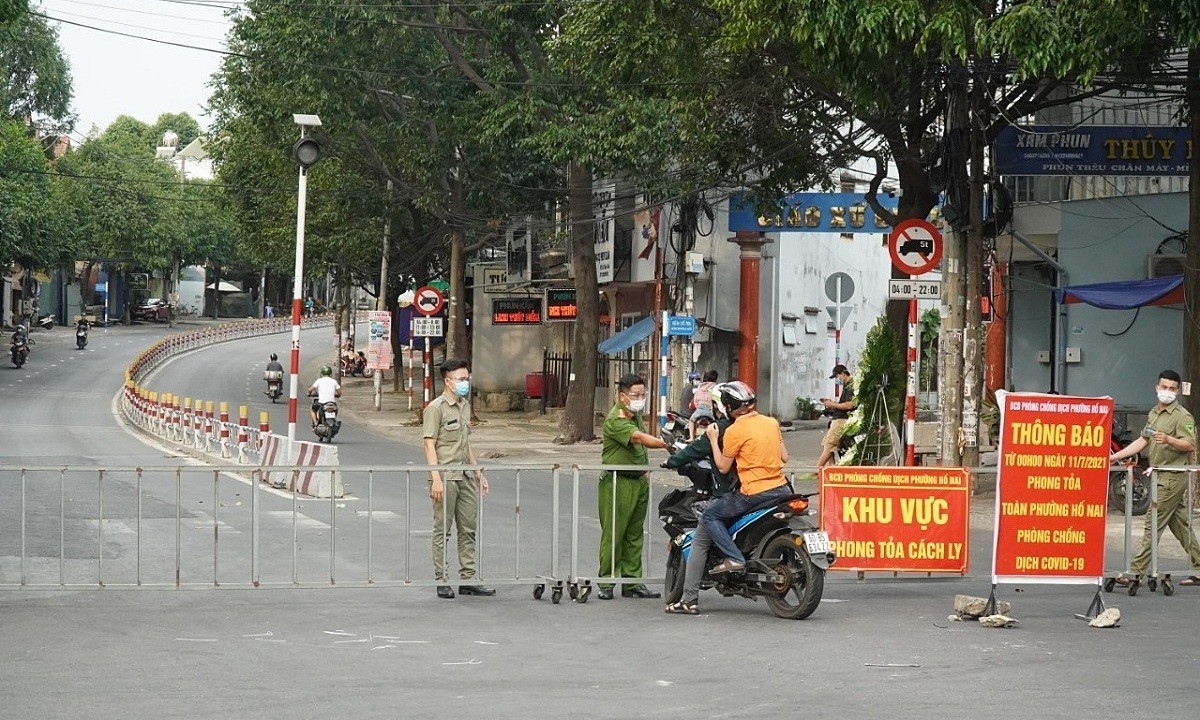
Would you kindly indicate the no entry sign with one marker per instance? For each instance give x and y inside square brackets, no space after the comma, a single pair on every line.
[428,301]
[915,246]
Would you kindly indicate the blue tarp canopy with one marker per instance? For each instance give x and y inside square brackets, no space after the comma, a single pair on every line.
[1125,294]
[627,338]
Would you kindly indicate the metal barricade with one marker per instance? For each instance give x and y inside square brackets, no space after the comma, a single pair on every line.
[580,585]
[1183,509]
[223,526]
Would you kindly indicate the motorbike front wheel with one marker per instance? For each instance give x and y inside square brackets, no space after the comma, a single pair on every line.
[1118,480]
[798,595]
[673,579]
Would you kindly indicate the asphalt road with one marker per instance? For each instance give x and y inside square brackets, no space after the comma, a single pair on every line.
[876,648]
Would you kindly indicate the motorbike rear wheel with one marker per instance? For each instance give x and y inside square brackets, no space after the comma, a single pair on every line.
[799,595]
[674,577]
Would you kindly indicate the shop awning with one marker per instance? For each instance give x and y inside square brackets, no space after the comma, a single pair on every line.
[1125,294]
[628,337]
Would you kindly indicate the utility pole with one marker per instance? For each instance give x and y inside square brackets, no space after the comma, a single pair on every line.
[972,390]
[381,300]
[950,355]
[1191,272]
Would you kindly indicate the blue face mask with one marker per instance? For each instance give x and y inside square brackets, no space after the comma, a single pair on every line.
[462,388]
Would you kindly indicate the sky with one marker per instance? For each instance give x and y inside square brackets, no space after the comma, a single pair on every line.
[120,75]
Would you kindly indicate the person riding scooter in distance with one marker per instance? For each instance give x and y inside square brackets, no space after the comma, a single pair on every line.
[19,341]
[274,376]
[326,390]
[81,332]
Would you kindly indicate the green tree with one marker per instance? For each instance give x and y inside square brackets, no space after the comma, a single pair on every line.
[24,200]
[35,79]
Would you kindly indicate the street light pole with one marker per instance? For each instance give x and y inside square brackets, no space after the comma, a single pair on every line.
[306,151]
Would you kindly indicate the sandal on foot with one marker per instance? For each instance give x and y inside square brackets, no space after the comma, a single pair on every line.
[1122,580]
[1190,580]
[683,608]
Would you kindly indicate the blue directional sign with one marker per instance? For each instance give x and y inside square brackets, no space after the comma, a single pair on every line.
[681,325]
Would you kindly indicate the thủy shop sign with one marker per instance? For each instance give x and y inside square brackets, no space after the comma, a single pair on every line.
[1052,492]
[1093,150]
[897,519]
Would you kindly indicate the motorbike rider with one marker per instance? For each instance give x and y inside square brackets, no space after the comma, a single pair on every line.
[326,390]
[20,340]
[81,331]
[755,443]
[700,450]
[274,365]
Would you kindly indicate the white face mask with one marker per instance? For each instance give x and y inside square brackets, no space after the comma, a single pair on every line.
[636,406]
[1166,397]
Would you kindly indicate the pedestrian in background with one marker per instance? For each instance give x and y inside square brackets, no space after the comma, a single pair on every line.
[838,412]
[1171,436]
[446,432]
[689,391]
[702,402]
[268,311]
[623,499]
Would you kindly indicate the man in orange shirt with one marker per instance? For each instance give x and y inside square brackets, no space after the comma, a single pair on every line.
[755,443]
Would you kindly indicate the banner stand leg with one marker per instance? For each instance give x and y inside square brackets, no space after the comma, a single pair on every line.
[1095,608]
[990,607]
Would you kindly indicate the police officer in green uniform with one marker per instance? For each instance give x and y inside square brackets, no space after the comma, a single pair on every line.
[625,443]
[1171,436]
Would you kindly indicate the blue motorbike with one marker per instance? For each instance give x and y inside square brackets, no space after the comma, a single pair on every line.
[787,555]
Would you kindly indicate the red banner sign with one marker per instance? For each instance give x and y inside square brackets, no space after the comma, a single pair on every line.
[899,519]
[1053,488]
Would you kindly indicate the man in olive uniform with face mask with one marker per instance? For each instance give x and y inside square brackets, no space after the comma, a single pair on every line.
[446,431]
[1171,437]
[625,443]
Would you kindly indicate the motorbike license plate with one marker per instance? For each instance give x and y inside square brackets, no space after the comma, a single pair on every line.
[817,542]
[331,415]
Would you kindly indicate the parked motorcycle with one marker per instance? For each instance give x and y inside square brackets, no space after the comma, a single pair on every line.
[356,366]
[676,428]
[20,343]
[786,554]
[81,335]
[1118,479]
[274,380]
[327,422]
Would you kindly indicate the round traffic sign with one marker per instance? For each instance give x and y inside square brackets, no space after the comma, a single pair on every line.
[839,287]
[915,246]
[428,301]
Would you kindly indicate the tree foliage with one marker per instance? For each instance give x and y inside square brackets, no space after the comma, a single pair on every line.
[35,79]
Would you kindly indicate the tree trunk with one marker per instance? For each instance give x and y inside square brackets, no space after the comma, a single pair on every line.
[577,421]
[456,332]
[1191,271]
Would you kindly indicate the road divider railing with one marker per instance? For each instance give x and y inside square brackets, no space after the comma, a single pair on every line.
[205,426]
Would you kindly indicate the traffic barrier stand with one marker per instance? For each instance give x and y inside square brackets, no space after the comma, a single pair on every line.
[225,452]
[243,437]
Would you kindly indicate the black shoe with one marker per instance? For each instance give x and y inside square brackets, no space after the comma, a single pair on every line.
[475,590]
[639,591]
[605,593]
[445,591]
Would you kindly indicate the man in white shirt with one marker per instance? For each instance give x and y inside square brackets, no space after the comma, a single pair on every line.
[326,389]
